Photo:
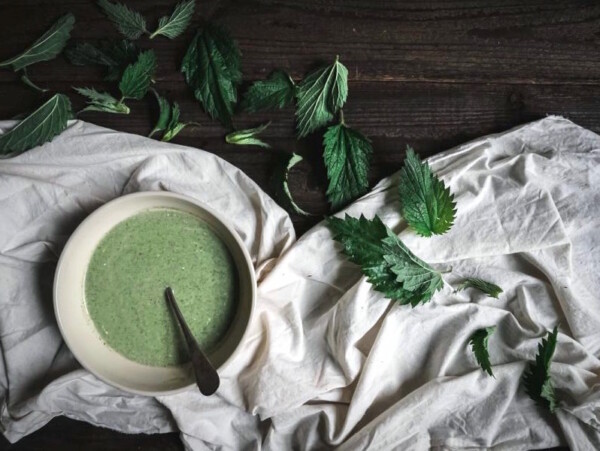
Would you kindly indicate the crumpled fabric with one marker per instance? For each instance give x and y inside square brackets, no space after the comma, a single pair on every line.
[328,361]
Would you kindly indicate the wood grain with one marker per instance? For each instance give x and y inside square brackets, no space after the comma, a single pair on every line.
[430,74]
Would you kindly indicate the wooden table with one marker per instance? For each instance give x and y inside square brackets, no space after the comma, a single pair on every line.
[430,74]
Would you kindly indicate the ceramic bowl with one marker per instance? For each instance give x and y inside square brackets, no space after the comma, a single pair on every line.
[79,331]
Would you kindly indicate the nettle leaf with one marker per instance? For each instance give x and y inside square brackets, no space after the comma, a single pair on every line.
[248,137]
[164,114]
[363,244]
[115,56]
[174,126]
[130,23]
[538,384]
[415,276]
[488,288]
[479,345]
[173,26]
[168,119]
[212,68]
[102,101]
[280,186]
[47,47]
[137,77]
[426,203]
[277,91]
[39,127]
[86,54]
[320,96]
[389,265]
[347,159]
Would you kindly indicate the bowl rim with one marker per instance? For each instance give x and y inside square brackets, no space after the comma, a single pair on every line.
[98,212]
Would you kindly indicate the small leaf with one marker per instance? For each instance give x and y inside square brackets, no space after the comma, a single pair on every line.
[101,101]
[174,126]
[347,158]
[115,56]
[130,23]
[47,47]
[538,384]
[280,186]
[173,131]
[173,26]
[479,345]
[137,77]
[277,91]
[389,265]
[426,203]
[168,119]
[320,96]
[212,68]
[39,127]
[163,115]
[248,137]
[488,288]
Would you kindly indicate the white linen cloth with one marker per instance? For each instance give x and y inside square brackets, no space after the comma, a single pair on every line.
[328,360]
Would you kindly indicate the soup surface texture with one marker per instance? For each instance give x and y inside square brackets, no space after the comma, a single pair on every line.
[129,271]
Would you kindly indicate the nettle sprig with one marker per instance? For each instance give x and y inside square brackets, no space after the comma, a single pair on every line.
[132,24]
[168,123]
[134,84]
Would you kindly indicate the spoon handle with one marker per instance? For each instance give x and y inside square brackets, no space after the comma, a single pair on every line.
[207,377]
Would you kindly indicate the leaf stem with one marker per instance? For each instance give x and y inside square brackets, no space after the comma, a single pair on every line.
[25,79]
[342,121]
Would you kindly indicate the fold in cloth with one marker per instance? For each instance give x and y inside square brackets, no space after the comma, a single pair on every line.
[328,361]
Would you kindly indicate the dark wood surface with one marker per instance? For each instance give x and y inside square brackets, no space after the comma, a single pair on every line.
[431,74]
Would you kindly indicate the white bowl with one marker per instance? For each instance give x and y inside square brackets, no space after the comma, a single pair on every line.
[79,331]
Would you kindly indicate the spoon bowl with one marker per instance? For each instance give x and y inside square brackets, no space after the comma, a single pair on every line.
[79,331]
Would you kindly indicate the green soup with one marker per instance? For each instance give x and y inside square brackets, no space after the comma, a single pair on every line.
[129,271]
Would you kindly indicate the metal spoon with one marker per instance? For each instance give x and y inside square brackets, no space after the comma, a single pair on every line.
[207,377]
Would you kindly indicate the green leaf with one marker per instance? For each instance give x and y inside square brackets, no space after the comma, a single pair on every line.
[363,244]
[102,101]
[248,137]
[279,183]
[277,91]
[426,203]
[174,126]
[538,384]
[173,131]
[488,288]
[412,273]
[47,47]
[137,77]
[39,127]
[173,26]
[212,68]
[347,158]
[479,345]
[130,23]
[115,56]
[123,53]
[163,116]
[320,96]
[168,119]
[389,265]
